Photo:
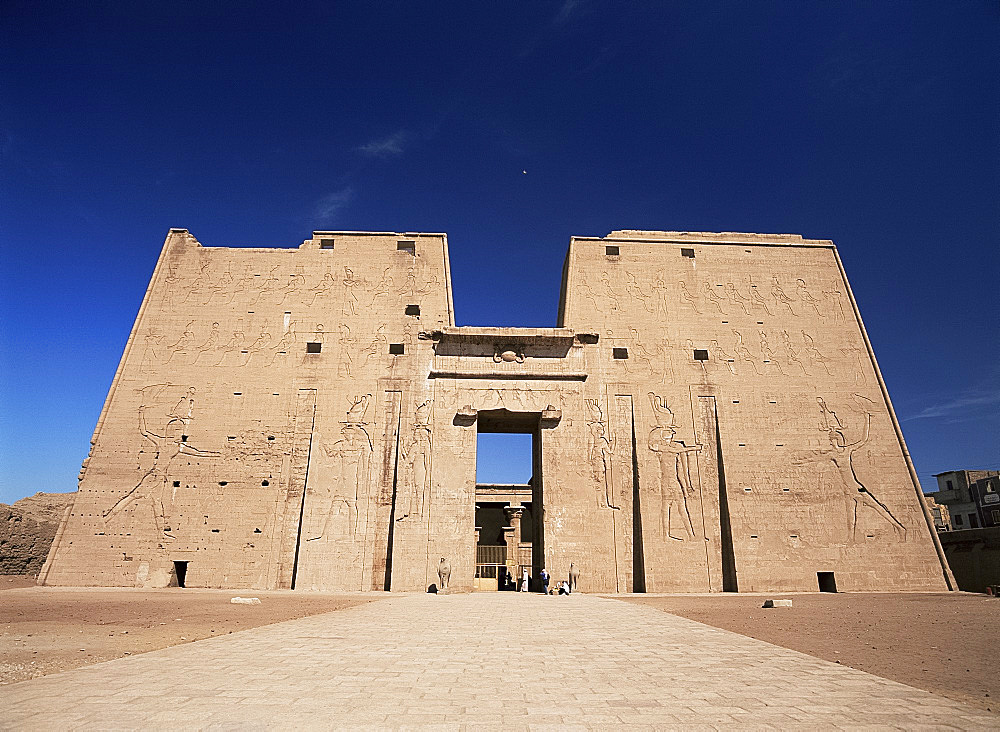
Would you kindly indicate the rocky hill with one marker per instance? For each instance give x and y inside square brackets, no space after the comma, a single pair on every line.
[27,529]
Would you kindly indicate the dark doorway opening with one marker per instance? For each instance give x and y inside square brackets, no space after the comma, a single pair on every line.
[508,499]
[827,582]
[180,573]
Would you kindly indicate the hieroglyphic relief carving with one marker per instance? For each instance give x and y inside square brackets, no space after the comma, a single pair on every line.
[211,343]
[861,363]
[713,297]
[160,448]
[352,286]
[686,297]
[722,357]
[323,288]
[285,344]
[235,344]
[508,353]
[296,284]
[416,458]
[379,346]
[780,298]
[383,288]
[611,295]
[268,286]
[743,353]
[351,455]
[756,299]
[634,290]
[152,350]
[736,298]
[792,352]
[806,297]
[347,344]
[843,454]
[675,471]
[182,344]
[602,450]
[768,354]
[260,343]
[839,314]
[814,354]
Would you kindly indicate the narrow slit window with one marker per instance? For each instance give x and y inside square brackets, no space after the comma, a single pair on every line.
[619,352]
[396,349]
[314,347]
[689,253]
[700,354]
[611,251]
[413,310]
[326,243]
[410,247]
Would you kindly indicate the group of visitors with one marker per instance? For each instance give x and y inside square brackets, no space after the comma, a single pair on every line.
[527,583]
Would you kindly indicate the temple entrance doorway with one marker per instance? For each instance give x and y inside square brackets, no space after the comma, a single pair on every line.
[508,500]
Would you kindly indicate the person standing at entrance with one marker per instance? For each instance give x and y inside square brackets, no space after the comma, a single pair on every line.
[524,581]
[545,580]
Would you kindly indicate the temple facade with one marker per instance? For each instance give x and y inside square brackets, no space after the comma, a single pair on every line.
[707,416]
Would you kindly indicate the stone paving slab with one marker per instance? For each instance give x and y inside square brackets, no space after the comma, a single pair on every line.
[489,660]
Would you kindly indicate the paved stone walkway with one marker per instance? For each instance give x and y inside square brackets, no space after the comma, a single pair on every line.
[486,660]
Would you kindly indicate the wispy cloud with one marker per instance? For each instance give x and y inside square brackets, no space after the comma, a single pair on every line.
[329,207]
[565,11]
[966,406]
[387,146]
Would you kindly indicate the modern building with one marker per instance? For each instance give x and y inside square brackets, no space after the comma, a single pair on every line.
[971,497]
[707,415]
[939,512]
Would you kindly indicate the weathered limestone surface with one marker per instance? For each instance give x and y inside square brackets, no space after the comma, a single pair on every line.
[708,416]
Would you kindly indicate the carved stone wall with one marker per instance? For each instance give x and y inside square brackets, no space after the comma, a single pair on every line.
[708,413]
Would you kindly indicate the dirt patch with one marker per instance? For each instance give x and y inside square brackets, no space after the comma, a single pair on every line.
[944,643]
[48,629]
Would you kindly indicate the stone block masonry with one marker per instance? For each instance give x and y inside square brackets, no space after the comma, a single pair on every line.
[707,416]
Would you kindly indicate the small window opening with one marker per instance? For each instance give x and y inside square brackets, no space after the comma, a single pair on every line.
[184,438]
[223,482]
[265,482]
[827,582]
[270,437]
[700,354]
[413,310]
[410,247]
[689,253]
[177,484]
[180,572]
[237,393]
[619,352]
[396,349]
[314,347]
[215,531]
[785,490]
[611,251]
[326,243]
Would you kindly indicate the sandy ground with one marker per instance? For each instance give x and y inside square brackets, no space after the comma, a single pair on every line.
[48,629]
[945,643]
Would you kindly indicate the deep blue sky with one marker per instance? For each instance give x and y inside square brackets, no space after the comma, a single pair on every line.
[871,123]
